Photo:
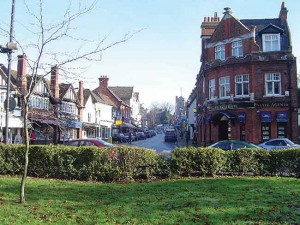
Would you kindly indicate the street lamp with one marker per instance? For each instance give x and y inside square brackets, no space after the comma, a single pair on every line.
[10,46]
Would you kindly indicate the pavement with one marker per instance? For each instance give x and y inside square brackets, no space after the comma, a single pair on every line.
[181,141]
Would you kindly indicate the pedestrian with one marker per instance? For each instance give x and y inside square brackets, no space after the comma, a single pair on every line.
[129,137]
[18,139]
[187,137]
[32,137]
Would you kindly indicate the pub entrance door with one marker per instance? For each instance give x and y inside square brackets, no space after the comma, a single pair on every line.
[223,130]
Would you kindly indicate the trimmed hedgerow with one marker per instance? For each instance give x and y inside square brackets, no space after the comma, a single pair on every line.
[129,163]
[84,163]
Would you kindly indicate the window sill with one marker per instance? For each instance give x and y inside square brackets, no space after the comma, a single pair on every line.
[273,96]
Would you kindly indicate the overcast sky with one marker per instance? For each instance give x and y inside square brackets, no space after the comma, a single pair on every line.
[161,61]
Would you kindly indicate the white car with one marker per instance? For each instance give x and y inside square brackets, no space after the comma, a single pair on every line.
[278,143]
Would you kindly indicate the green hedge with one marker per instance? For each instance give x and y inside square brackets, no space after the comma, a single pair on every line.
[84,163]
[210,162]
[127,162]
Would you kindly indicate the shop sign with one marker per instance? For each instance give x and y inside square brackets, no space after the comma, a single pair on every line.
[271,105]
[227,106]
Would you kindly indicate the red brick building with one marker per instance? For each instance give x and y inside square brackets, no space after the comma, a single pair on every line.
[247,84]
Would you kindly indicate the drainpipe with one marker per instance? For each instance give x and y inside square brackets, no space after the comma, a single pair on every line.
[290,98]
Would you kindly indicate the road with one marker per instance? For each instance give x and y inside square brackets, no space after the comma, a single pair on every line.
[156,143]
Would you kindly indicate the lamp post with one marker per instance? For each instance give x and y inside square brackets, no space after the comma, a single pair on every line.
[9,49]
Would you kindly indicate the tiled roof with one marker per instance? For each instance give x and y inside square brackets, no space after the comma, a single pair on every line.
[124,93]
[262,24]
[4,74]
[63,88]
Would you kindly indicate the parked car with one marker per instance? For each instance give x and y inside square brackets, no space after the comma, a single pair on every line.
[140,135]
[233,145]
[89,142]
[278,143]
[152,133]
[147,134]
[170,135]
[119,137]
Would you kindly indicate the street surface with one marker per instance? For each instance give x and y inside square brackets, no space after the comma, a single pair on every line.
[156,143]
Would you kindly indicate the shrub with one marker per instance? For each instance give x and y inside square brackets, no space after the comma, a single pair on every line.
[84,163]
[202,161]
[248,161]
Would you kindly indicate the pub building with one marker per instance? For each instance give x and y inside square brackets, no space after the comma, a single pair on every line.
[247,84]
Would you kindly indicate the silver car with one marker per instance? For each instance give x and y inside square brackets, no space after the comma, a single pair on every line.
[278,143]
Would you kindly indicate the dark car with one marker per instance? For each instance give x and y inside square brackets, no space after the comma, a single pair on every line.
[140,136]
[278,143]
[119,138]
[147,134]
[170,135]
[88,142]
[233,145]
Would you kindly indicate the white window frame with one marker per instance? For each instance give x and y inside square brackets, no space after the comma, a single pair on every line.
[2,81]
[224,87]
[220,52]
[212,88]
[237,48]
[242,80]
[273,40]
[271,80]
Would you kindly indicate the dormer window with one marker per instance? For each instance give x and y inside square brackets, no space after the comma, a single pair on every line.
[220,52]
[237,49]
[271,42]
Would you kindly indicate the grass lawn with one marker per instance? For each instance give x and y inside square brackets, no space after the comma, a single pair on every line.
[230,200]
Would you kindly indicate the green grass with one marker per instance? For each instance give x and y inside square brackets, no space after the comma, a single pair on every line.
[190,201]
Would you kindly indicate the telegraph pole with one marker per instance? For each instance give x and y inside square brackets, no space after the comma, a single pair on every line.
[9,72]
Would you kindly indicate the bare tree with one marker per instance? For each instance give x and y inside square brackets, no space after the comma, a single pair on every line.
[42,53]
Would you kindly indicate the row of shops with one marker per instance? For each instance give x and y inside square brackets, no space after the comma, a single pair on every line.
[256,123]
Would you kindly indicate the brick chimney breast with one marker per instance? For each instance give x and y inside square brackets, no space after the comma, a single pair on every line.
[54,86]
[103,82]
[80,94]
[22,73]
[283,12]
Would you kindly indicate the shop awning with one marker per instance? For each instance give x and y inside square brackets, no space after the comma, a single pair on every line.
[218,116]
[282,116]
[129,125]
[242,117]
[71,124]
[265,117]
[85,124]
[45,121]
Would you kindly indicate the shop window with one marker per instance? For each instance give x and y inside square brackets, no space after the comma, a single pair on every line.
[281,130]
[265,131]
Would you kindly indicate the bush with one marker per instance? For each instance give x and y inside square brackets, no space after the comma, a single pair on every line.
[84,163]
[128,163]
[202,161]
[248,161]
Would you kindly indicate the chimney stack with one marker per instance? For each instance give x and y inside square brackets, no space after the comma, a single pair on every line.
[54,87]
[209,25]
[80,93]
[22,73]
[283,12]
[103,82]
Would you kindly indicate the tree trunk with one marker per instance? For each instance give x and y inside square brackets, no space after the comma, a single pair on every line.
[23,181]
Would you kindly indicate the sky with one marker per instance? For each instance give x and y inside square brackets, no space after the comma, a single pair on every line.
[163,59]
